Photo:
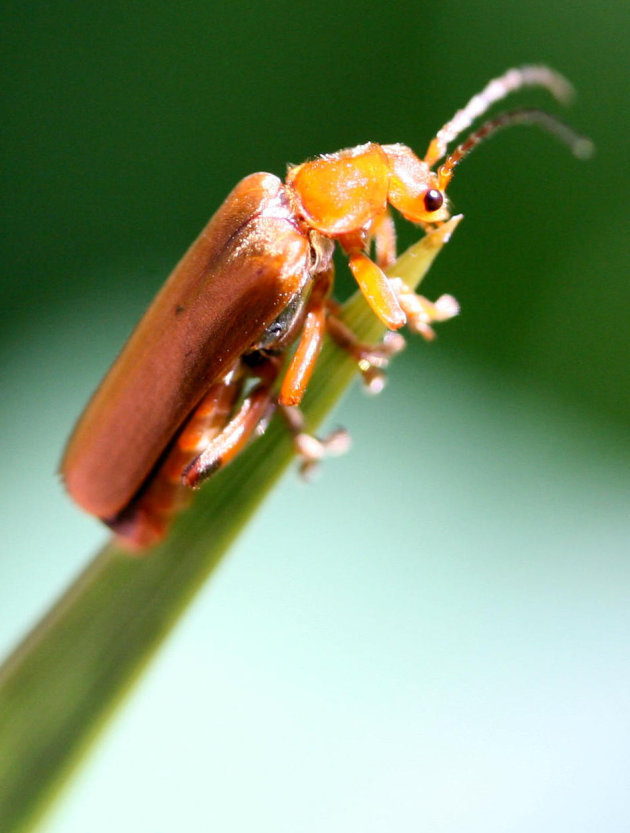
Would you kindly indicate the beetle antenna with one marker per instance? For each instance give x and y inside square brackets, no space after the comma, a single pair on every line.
[580,146]
[514,79]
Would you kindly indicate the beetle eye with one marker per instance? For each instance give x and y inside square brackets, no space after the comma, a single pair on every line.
[433,199]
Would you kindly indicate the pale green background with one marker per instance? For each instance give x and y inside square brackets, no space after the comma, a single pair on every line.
[434,636]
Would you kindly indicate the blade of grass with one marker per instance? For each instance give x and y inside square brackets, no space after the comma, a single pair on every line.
[65,679]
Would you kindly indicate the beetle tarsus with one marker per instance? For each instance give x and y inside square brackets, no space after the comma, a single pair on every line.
[371,359]
[422,313]
[309,448]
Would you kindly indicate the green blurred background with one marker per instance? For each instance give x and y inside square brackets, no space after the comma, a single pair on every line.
[434,636]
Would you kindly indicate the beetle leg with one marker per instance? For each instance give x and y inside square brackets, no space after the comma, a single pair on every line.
[421,312]
[384,234]
[146,520]
[255,409]
[302,364]
[377,290]
[313,449]
[372,359]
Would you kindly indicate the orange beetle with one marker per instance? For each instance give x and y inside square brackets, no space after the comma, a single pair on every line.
[180,401]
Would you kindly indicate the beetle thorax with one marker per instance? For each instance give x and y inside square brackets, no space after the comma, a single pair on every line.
[343,192]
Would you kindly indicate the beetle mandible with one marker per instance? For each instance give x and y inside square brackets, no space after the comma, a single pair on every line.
[199,375]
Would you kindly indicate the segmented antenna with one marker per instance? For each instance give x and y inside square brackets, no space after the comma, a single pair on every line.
[579,145]
[497,89]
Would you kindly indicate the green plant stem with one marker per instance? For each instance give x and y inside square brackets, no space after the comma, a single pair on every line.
[65,679]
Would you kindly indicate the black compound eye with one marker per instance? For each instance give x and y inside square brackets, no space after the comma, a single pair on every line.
[433,199]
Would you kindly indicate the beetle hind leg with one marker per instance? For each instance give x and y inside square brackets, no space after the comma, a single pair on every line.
[309,448]
[148,517]
[250,418]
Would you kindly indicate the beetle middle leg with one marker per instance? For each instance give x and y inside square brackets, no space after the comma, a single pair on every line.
[371,359]
[301,367]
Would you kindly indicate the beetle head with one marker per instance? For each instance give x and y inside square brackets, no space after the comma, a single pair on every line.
[414,189]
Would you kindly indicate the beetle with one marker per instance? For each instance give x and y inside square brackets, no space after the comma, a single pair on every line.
[202,372]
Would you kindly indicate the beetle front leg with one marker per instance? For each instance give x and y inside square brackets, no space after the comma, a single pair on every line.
[421,312]
[255,409]
[372,281]
[376,289]
[384,236]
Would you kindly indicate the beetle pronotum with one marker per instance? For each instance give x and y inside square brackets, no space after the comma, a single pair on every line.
[199,375]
